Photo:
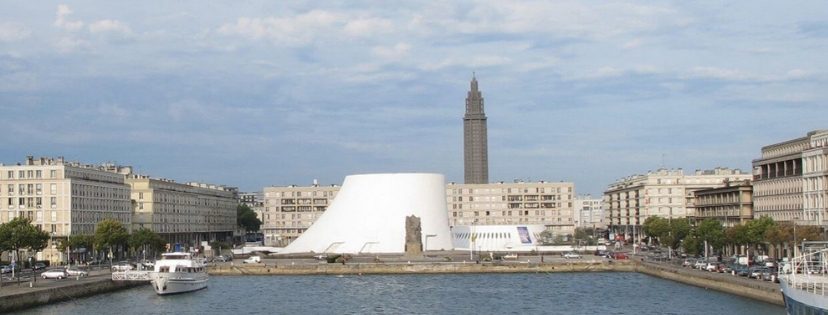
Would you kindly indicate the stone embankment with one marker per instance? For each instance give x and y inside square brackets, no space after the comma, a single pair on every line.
[21,297]
[421,268]
[765,291]
[16,298]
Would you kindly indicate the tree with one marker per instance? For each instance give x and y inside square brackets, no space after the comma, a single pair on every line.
[247,218]
[19,234]
[656,227]
[755,232]
[147,240]
[110,233]
[679,230]
[712,232]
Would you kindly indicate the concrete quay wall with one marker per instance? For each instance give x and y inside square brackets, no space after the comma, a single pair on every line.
[765,291]
[43,296]
[420,268]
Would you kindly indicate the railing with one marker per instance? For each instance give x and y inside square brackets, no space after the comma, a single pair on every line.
[814,285]
[130,276]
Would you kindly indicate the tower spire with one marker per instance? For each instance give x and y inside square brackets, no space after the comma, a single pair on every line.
[475,139]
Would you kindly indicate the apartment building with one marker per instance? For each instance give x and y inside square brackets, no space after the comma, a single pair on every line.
[290,210]
[590,212]
[731,204]
[183,213]
[64,198]
[790,180]
[665,193]
[550,204]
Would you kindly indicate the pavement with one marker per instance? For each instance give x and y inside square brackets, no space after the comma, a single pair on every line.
[26,283]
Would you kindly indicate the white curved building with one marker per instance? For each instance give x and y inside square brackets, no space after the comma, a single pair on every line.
[368,216]
[498,238]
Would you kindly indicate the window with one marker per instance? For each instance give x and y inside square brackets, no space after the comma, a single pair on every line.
[11,189]
[53,201]
[53,188]
[11,174]
[53,174]
[39,189]
[54,217]
[21,174]
[38,174]
[141,196]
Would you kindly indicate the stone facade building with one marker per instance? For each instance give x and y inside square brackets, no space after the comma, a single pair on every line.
[731,204]
[664,193]
[790,180]
[290,210]
[64,198]
[518,203]
[183,213]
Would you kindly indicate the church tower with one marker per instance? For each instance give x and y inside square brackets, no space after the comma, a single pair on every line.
[475,139]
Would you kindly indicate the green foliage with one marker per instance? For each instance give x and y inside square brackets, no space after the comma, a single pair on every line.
[692,246]
[246,218]
[147,238]
[110,233]
[19,234]
[656,227]
[711,230]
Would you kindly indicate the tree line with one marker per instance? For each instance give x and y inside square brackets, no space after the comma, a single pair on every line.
[20,235]
[762,234]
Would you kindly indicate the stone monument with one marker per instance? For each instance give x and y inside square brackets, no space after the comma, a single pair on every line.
[413,236]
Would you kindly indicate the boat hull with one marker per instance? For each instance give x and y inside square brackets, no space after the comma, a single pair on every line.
[173,283]
[799,301]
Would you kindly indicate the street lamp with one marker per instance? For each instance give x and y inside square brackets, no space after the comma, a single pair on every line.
[52,243]
[794,235]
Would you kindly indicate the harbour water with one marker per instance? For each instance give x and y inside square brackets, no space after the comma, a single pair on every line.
[559,293]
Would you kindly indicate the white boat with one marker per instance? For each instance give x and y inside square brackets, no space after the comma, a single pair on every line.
[804,280]
[178,273]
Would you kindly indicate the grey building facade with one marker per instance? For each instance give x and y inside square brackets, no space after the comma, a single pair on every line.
[475,138]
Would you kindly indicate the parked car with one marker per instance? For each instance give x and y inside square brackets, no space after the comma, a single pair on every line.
[756,272]
[54,274]
[39,266]
[6,269]
[688,263]
[223,258]
[320,256]
[700,264]
[568,255]
[253,260]
[510,256]
[74,271]
[123,266]
[620,256]
[770,275]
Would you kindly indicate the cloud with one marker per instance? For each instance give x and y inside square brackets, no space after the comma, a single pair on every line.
[61,22]
[70,44]
[399,50]
[107,26]
[736,75]
[292,31]
[12,31]
[365,27]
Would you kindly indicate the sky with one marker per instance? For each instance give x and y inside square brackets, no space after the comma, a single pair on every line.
[253,94]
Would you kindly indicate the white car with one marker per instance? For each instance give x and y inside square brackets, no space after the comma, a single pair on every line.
[74,271]
[253,260]
[511,256]
[571,255]
[54,274]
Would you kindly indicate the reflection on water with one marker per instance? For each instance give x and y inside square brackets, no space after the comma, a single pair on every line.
[559,293]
